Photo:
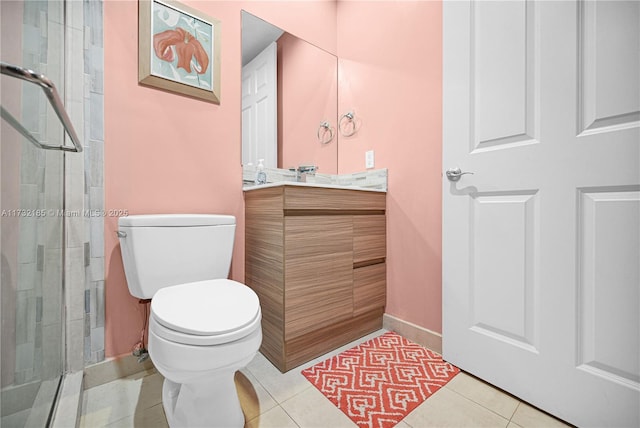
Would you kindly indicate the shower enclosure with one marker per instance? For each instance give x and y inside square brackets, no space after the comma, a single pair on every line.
[35,138]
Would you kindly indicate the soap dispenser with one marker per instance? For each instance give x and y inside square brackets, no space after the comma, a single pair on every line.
[261,176]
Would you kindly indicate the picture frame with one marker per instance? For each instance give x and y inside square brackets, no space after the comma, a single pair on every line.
[179,49]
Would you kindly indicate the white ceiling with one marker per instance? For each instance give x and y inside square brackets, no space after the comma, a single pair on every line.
[256,35]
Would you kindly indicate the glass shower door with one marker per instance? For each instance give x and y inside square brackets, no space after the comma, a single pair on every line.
[32,229]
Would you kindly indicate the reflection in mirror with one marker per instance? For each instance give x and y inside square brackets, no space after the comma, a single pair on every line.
[289,89]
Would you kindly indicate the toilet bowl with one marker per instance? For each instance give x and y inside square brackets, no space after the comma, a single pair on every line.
[197,342]
[201,331]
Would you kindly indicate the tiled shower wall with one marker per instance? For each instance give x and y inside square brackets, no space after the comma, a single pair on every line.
[84,268]
[94,182]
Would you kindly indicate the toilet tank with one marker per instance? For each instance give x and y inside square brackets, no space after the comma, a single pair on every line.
[161,250]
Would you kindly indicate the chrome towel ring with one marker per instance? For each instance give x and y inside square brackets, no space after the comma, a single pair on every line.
[323,130]
[350,116]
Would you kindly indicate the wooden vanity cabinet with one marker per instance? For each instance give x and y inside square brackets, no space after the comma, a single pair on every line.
[316,258]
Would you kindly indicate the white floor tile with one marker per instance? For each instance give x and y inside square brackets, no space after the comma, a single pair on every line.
[152,417]
[272,418]
[484,394]
[312,409]
[281,386]
[529,417]
[446,408]
[116,400]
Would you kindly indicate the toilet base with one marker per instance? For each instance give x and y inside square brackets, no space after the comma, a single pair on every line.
[213,403]
[199,388]
[170,391]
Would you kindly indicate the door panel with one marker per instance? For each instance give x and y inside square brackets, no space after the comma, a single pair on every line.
[507,73]
[609,93]
[609,274]
[503,259]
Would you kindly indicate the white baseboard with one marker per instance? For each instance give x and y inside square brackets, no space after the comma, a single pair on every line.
[114,368]
[427,338]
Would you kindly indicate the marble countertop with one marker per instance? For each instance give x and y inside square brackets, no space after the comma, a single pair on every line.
[248,188]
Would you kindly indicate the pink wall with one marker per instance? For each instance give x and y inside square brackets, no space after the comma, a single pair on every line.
[165,153]
[391,74]
[307,95]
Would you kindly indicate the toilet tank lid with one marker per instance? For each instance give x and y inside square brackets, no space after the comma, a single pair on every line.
[172,220]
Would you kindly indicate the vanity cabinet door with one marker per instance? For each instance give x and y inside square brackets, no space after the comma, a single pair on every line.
[318,272]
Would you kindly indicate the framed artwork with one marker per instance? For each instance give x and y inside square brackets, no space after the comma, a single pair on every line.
[179,49]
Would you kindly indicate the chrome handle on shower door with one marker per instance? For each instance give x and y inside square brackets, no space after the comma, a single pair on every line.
[454,174]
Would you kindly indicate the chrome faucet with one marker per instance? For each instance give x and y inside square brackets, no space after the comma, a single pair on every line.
[303,170]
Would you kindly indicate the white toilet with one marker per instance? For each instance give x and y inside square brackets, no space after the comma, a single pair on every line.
[203,327]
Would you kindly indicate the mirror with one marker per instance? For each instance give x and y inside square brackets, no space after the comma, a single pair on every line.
[289,89]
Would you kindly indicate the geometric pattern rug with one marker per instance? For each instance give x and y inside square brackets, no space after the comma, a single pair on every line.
[379,382]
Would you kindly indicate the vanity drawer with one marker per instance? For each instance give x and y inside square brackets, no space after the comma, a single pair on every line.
[369,238]
[369,288]
[317,198]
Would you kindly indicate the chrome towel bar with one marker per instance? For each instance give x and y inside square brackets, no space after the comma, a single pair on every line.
[51,93]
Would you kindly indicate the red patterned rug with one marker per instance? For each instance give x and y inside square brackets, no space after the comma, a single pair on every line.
[378,383]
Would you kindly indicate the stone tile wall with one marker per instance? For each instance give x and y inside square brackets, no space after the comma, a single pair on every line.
[85,186]
[94,182]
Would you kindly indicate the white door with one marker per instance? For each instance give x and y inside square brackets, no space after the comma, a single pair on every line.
[259,109]
[541,245]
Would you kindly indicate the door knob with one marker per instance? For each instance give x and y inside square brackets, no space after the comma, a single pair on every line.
[454,174]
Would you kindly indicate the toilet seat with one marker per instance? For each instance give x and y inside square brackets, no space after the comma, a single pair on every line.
[205,313]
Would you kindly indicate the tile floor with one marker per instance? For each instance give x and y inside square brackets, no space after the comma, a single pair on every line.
[272,399]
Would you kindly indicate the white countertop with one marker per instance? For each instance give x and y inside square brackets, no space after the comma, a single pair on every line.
[295,183]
